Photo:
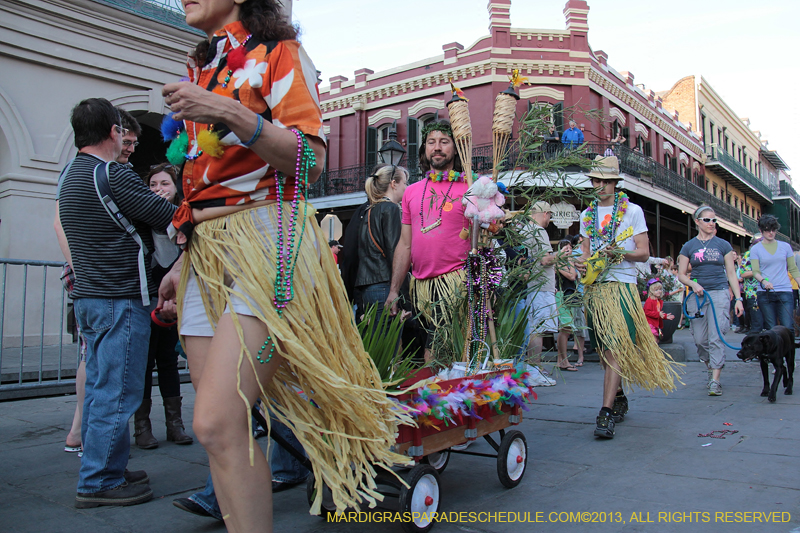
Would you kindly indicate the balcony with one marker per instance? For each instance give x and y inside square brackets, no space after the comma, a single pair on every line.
[725,165]
[786,189]
[165,11]
[352,179]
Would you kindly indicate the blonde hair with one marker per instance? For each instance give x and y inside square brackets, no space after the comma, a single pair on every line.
[653,287]
[378,182]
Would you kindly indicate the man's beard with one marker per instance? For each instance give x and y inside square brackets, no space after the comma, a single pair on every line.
[445,163]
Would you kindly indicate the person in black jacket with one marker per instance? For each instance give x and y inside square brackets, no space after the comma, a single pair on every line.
[565,281]
[379,234]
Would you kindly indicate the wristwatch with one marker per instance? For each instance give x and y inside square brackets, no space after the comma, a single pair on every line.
[739,299]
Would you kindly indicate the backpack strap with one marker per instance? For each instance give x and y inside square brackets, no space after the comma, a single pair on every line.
[103,188]
[369,228]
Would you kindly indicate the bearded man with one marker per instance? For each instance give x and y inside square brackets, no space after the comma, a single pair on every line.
[434,239]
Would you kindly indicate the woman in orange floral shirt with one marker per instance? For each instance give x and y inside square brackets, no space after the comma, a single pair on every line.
[262,307]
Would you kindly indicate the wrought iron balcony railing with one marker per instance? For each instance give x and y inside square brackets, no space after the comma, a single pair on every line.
[786,189]
[724,158]
[166,11]
[632,163]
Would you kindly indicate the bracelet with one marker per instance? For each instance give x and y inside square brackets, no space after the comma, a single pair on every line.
[740,299]
[257,134]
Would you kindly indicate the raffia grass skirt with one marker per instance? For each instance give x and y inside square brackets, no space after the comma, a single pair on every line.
[641,363]
[438,300]
[349,427]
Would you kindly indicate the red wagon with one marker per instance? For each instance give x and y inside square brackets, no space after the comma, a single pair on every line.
[430,446]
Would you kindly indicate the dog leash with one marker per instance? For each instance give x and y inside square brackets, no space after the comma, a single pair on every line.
[699,314]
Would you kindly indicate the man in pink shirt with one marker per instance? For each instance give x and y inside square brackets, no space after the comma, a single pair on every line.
[434,240]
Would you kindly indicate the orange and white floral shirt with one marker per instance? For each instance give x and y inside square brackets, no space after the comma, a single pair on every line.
[279,82]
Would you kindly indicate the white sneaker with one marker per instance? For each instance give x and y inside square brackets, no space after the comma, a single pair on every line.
[461,447]
[538,378]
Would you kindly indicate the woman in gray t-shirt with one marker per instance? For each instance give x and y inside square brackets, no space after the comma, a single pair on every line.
[713,272]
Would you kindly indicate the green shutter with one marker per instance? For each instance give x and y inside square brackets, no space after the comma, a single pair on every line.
[558,117]
[372,146]
[412,146]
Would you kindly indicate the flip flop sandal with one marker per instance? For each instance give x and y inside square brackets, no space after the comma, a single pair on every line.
[578,364]
[568,368]
[73,449]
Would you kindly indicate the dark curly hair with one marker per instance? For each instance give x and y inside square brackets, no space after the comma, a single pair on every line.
[768,223]
[262,18]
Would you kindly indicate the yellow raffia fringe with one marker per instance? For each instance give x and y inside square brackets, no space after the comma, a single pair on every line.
[450,288]
[642,363]
[350,428]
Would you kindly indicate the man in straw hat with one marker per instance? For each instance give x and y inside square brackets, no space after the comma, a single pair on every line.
[618,327]
[434,240]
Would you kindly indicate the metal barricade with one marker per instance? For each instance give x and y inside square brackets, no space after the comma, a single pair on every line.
[38,356]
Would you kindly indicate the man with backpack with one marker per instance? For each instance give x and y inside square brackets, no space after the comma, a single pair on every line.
[109,242]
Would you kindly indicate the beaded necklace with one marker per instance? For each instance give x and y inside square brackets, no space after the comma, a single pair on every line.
[591,223]
[445,202]
[287,259]
[450,175]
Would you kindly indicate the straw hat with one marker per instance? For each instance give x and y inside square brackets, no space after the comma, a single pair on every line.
[605,168]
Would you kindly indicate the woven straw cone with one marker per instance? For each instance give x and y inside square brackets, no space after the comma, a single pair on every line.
[459,119]
[505,107]
[462,133]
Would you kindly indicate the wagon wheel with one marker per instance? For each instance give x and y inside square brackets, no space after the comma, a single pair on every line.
[512,458]
[328,508]
[421,496]
[438,460]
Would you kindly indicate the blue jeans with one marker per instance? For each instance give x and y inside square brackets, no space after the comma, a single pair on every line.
[117,333]
[373,294]
[776,307]
[285,468]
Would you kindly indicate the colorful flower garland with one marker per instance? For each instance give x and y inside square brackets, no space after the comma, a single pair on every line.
[434,405]
[450,175]
[592,226]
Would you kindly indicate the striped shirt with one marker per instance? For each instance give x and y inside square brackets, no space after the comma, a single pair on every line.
[104,256]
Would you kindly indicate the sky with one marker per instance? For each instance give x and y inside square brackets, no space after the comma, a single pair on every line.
[747,51]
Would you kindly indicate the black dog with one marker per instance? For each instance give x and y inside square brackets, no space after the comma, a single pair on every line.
[774,346]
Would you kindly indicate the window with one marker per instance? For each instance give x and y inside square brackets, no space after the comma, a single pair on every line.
[703,129]
[383,134]
[714,186]
[728,196]
[711,133]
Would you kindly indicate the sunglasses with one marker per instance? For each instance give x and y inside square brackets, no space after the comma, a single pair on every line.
[153,167]
[714,220]
[122,131]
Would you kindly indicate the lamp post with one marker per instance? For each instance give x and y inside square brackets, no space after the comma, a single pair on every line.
[392,151]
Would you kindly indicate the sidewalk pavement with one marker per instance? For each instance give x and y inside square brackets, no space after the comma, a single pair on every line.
[656,464]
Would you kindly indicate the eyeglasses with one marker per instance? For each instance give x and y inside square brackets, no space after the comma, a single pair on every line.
[122,131]
[130,143]
[714,220]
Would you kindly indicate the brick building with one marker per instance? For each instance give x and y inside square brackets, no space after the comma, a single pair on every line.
[663,159]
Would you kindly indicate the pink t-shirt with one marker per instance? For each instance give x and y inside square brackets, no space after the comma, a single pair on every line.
[440,250]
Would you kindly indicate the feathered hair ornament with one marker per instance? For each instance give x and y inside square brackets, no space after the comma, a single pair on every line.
[170,128]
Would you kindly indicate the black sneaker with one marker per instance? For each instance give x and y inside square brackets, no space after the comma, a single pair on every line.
[125,494]
[619,409]
[605,426]
[193,507]
[136,477]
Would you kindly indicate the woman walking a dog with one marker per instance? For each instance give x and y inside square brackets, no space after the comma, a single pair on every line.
[708,302]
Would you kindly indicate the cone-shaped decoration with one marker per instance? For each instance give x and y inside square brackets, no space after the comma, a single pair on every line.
[505,106]
[458,107]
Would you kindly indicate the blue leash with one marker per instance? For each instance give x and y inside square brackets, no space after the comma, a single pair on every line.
[699,314]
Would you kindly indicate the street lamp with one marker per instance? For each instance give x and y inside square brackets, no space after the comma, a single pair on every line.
[392,151]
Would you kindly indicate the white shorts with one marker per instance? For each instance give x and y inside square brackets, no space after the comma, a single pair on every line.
[543,315]
[194,321]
